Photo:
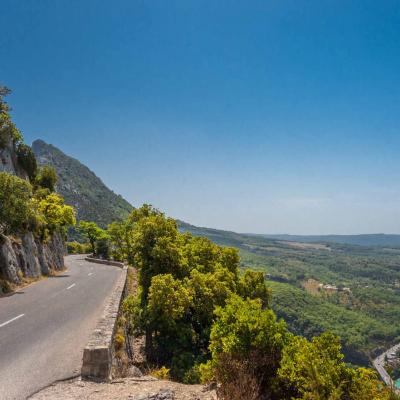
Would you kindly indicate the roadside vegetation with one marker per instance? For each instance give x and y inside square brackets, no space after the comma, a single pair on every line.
[206,319]
[29,205]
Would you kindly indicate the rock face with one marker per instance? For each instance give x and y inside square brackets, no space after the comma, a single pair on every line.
[28,257]
[9,160]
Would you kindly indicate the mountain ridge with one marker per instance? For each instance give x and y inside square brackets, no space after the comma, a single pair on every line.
[81,187]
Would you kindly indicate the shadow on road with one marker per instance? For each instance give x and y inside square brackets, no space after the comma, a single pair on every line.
[10,294]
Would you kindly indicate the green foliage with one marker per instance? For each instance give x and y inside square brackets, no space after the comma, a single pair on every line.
[78,248]
[246,343]
[53,214]
[202,318]
[182,279]
[20,211]
[254,357]
[8,130]
[15,206]
[161,373]
[314,369]
[103,248]
[366,319]
[252,286]
[46,178]
[81,188]
[168,301]
[27,160]
[93,233]
[310,316]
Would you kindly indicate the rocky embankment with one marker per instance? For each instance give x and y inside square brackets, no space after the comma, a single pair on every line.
[23,258]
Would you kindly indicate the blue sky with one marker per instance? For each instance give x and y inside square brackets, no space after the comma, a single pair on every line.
[255,116]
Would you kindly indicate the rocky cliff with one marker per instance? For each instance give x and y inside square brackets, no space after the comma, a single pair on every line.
[9,160]
[25,256]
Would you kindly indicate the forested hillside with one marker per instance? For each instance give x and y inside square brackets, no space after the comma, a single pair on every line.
[204,320]
[352,291]
[361,240]
[81,188]
[365,315]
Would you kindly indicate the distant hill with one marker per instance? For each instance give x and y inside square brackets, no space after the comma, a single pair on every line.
[365,315]
[379,239]
[81,188]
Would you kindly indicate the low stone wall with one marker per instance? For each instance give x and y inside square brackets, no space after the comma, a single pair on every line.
[105,262]
[99,353]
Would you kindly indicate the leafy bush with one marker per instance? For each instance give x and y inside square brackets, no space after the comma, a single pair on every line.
[92,233]
[78,248]
[27,160]
[15,204]
[53,214]
[46,178]
[103,248]
[161,373]
[7,128]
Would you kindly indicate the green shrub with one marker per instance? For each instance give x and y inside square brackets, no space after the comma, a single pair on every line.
[78,248]
[103,248]
[15,204]
[119,341]
[46,178]
[27,160]
[161,373]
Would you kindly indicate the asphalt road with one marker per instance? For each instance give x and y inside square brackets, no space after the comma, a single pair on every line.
[379,364]
[45,326]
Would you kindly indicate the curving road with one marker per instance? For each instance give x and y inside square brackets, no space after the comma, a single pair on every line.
[379,364]
[44,327]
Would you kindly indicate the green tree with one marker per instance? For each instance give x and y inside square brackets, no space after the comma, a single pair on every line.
[365,385]
[27,159]
[46,178]
[92,232]
[252,285]
[155,246]
[169,300]
[8,130]
[121,239]
[53,214]
[15,207]
[246,344]
[314,370]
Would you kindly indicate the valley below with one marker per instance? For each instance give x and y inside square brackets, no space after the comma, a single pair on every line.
[355,294]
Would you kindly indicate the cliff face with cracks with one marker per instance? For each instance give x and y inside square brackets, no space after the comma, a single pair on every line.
[28,257]
[9,160]
[25,256]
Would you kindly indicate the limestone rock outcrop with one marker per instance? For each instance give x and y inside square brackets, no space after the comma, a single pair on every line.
[28,257]
[9,160]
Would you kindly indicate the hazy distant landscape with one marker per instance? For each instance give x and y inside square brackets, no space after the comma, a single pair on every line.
[366,317]
[215,186]
[369,265]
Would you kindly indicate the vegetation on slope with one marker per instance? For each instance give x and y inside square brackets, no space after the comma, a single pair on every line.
[28,205]
[81,188]
[366,317]
[205,320]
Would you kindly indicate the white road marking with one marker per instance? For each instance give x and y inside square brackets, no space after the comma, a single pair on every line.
[71,286]
[90,273]
[11,320]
